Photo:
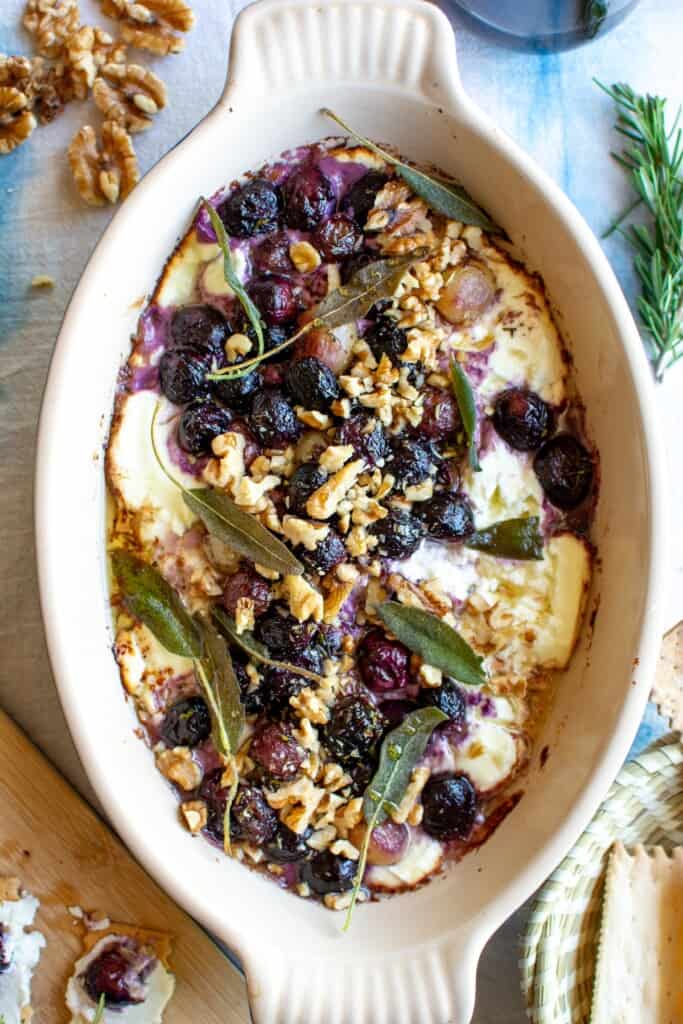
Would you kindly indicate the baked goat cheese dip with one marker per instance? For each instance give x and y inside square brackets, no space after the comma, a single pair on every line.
[356,448]
[19,951]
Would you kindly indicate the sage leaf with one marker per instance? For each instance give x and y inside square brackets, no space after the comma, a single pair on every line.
[99,1012]
[241,531]
[149,598]
[510,538]
[435,641]
[464,396]
[401,749]
[257,651]
[375,281]
[231,277]
[227,698]
[447,199]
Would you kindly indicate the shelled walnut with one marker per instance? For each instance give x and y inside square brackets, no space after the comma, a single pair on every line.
[103,173]
[130,95]
[16,120]
[152,26]
[51,22]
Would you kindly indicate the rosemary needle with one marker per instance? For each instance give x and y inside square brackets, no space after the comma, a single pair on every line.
[653,160]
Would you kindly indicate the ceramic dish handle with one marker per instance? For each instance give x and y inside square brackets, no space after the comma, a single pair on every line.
[280,45]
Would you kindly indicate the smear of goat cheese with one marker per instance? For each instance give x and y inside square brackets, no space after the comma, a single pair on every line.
[505,488]
[21,949]
[180,276]
[159,988]
[452,564]
[423,858]
[135,472]
[144,663]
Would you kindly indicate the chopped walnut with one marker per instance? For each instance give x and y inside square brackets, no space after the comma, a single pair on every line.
[16,120]
[178,766]
[430,676]
[402,220]
[51,22]
[345,848]
[244,615]
[309,706]
[334,457]
[417,783]
[323,502]
[152,26]
[342,900]
[301,531]
[304,256]
[129,94]
[106,173]
[237,345]
[195,814]
[227,469]
[322,837]
[313,418]
[335,600]
[304,601]
[50,90]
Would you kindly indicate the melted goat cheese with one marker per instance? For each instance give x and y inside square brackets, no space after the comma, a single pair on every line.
[144,663]
[179,280]
[422,858]
[159,986]
[22,949]
[506,487]
[135,473]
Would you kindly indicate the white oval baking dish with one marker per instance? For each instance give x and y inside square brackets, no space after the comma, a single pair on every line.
[390,69]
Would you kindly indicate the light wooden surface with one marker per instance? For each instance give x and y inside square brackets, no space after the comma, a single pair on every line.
[66,856]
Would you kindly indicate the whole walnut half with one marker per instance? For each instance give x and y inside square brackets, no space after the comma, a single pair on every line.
[16,120]
[130,95]
[51,22]
[152,25]
[104,172]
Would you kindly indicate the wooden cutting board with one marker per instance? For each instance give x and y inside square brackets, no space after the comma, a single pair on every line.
[65,855]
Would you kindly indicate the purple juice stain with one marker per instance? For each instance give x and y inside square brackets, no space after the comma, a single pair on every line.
[342,174]
[153,328]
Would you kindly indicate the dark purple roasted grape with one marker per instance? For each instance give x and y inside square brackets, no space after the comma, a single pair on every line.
[450,806]
[279,685]
[275,299]
[354,730]
[366,434]
[440,415]
[215,796]
[383,663]
[396,710]
[360,198]
[411,462]
[286,847]
[328,553]
[307,194]
[273,419]
[283,635]
[523,419]
[251,699]
[271,256]
[252,209]
[5,960]
[385,337]
[565,471]
[302,484]
[331,638]
[246,583]
[325,872]
[337,237]
[238,392]
[182,373]
[202,327]
[312,383]
[448,516]
[399,534]
[187,723]
[275,750]
[251,816]
[199,424]
[448,698]
[118,974]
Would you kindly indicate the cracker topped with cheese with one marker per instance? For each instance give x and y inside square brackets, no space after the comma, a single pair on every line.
[639,974]
[20,951]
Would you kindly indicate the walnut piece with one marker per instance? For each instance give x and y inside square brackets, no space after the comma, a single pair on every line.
[80,61]
[16,72]
[195,814]
[153,25]
[178,766]
[16,120]
[51,22]
[106,173]
[130,95]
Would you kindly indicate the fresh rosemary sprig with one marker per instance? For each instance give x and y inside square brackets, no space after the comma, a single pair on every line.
[653,160]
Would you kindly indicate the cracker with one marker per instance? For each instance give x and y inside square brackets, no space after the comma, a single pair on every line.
[638,978]
[667,691]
